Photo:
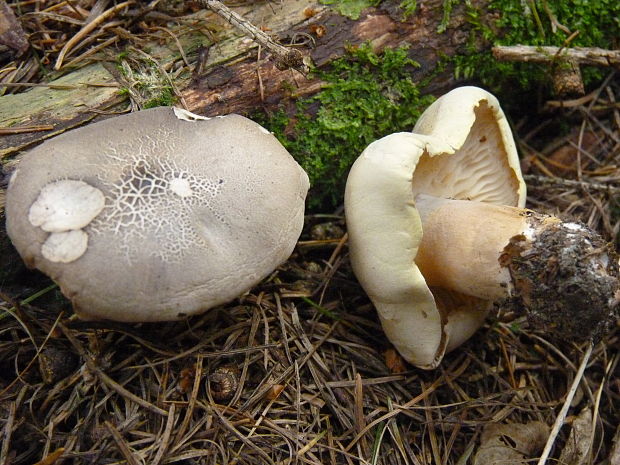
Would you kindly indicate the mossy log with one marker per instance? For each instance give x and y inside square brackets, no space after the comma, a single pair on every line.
[237,76]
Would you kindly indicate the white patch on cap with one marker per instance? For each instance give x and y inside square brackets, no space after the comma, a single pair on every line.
[181,187]
[66,205]
[185,115]
[65,247]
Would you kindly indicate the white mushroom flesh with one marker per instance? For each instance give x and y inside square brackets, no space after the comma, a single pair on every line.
[65,205]
[65,247]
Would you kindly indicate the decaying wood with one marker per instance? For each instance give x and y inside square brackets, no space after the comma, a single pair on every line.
[566,73]
[286,57]
[581,55]
[67,105]
[381,27]
[81,95]
[229,80]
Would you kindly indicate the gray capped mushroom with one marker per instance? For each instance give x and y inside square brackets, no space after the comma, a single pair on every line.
[438,233]
[157,214]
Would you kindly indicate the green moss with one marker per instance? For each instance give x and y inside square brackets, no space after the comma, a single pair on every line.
[535,22]
[144,82]
[366,96]
[447,11]
[123,92]
[350,8]
[408,8]
[165,97]
[353,8]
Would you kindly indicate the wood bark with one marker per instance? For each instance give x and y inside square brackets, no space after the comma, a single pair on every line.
[238,77]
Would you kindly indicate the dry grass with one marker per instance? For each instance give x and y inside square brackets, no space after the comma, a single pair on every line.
[65,35]
[298,370]
[300,373]
[310,388]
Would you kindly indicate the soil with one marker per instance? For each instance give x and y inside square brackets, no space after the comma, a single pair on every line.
[566,279]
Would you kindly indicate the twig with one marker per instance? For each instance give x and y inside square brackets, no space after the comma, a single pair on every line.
[165,439]
[176,41]
[38,84]
[597,405]
[582,55]
[555,24]
[400,408]
[230,427]
[358,412]
[8,431]
[566,74]
[105,379]
[191,403]
[87,30]
[559,421]
[121,444]
[285,57]
[23,129]
[51,458]
[570,183]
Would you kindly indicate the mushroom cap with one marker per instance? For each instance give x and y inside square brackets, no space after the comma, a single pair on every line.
[482,163]
[157,214]
[462,148]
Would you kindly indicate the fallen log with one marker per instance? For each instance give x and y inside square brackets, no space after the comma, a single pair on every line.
[237,76]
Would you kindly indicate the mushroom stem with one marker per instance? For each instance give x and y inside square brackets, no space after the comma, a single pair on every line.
[562,274]
[462,242]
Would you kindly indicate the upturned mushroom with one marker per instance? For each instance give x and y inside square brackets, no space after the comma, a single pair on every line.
[157,214]
[438,233]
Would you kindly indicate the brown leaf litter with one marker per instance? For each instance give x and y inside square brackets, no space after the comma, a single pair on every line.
[306,372]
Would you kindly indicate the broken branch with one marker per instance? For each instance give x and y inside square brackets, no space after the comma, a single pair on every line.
[286,57]
[582,55]
[566,73]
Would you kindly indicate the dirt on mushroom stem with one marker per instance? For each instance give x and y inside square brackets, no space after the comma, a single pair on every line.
[556,284]
[561,275]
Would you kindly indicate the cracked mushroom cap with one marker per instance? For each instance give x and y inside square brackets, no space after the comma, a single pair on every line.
[157,214]
[461,148]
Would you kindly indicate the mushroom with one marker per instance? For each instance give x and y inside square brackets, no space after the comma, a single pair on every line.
[438,233]
[157,214]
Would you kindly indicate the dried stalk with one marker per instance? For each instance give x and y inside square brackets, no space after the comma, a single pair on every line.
[571,183]
[286,57]
[566,74]
[559,421]
[582,55]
